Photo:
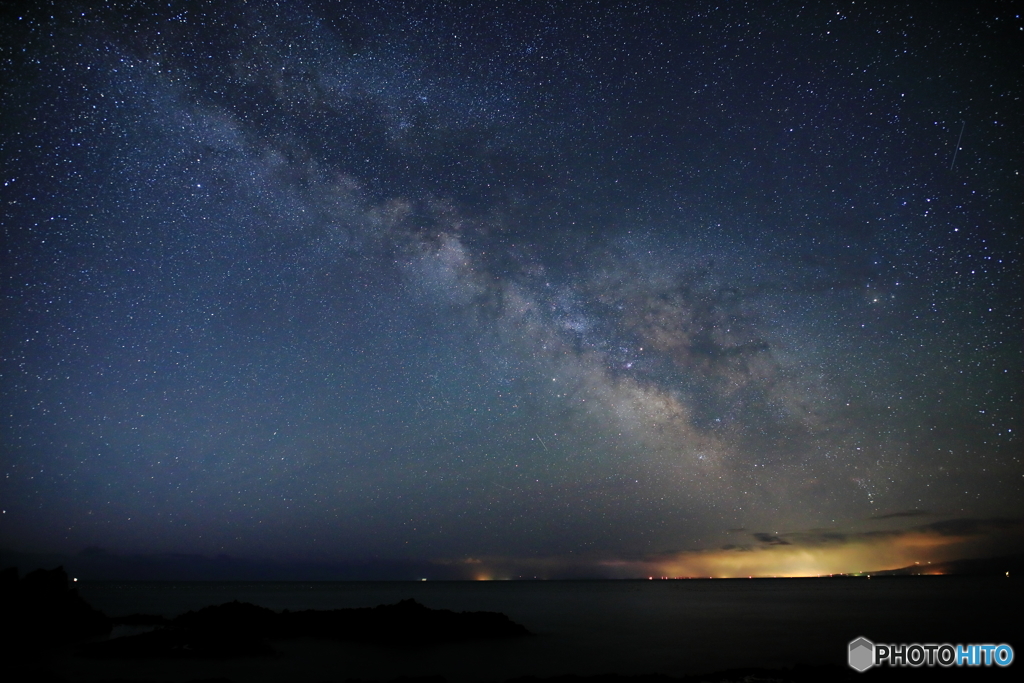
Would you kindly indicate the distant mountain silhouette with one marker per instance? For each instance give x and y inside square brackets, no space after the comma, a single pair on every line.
[988,566]
[97,564]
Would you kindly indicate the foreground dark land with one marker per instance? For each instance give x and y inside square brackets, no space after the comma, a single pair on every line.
[50,633]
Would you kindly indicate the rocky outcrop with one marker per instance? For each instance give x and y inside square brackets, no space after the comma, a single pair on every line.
[238,629]
[42,608]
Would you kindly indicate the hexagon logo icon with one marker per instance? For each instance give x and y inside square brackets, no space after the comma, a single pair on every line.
[862,654]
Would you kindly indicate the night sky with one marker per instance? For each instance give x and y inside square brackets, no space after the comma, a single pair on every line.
[605,289]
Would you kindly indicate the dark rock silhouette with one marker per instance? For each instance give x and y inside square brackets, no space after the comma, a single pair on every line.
[238,629]
[140,620]
[177,642]
[406,622]
[41,609]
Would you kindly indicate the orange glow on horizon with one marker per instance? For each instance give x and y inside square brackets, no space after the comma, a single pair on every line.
[799,558]
[809,554]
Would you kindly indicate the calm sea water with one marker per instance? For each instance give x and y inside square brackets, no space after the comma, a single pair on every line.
[590,627]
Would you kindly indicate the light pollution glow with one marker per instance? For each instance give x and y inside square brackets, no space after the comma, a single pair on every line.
[804,554]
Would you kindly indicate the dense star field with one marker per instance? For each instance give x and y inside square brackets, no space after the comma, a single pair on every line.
[509,289]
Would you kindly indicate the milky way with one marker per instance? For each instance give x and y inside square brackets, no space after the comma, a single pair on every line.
[589,291]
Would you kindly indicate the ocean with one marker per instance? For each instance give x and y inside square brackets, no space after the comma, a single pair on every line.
[584,627]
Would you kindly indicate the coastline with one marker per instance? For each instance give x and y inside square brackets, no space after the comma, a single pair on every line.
[676,629]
